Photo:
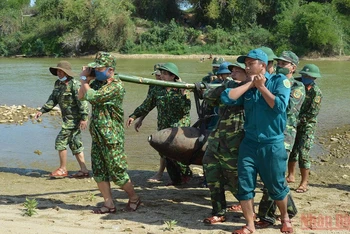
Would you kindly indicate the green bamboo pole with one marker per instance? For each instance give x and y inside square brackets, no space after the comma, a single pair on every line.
[147,81]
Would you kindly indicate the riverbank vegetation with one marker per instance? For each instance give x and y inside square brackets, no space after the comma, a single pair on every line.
[229,27]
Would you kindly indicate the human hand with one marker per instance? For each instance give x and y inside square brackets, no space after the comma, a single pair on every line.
[138,125]
[83,124]
[129,122]
[38,114]
[259,81]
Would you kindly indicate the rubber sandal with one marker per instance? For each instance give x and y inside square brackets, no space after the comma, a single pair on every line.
[132,206]
[59,173]
[285,228]
[80,175]
[301,189]
[107,211]
[242,230]
[214,219]
[262,224]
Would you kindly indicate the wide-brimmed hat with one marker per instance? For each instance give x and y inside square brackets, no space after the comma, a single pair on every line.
[311,70]
[217,61]
[257,54]
[223,69]
[170,67]
[289,56]
[104,59]
[270,54]
[63,66]
[156,70]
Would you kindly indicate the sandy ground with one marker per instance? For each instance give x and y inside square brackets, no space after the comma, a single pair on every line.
[64,205]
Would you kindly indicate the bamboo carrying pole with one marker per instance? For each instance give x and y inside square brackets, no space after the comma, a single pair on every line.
[147,81]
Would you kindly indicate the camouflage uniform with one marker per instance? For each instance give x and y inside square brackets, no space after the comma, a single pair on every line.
[173,111]
[267,206]
[73,111]
[212,75]
[220,158]
[307,125]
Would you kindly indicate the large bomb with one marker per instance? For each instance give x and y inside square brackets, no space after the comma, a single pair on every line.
[184,144]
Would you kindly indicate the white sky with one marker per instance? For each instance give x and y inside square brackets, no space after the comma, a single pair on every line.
[32,2]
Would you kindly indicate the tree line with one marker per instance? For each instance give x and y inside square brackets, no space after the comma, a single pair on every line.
[232,27]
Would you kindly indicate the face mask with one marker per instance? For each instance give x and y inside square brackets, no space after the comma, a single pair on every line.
[62,79]
[101,76]
[282,70]
[306,81]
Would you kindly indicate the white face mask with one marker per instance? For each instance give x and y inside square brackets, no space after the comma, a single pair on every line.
[62,79]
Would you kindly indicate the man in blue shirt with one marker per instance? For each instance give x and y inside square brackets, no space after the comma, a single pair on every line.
[265,98]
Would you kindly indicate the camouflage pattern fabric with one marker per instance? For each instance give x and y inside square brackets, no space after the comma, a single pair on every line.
[66,96]
[173,111]
[307,126]
[107,131]
[209,78]
[71,137]
[297,97]
[220,158]
[267,206]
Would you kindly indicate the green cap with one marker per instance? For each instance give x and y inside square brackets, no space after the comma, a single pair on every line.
[311,70]
[104,59]
[270,54]
[170,67]
[236,64]
[217,61]
[289,56]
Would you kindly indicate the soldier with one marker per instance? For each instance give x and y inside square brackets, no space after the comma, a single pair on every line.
[220,158]
[74,116]
[265,98]
[306,127]
[286,64]
[152,90]
[108,158]
[173,107]
[215,67]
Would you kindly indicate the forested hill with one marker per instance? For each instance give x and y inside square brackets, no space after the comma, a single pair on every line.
[231,27]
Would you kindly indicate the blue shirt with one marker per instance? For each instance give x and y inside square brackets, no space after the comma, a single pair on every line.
[263,123]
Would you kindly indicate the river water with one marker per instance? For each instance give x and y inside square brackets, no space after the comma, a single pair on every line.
[28,81]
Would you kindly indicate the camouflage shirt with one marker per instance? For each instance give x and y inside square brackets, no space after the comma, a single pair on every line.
[231,119]
[209,78]
[297,96]
[173,107]
[66,96]
[311,106]
[107,117]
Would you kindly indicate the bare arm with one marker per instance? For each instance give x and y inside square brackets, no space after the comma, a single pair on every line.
[240,90]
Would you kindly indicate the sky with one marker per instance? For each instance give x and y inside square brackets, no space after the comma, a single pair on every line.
[32,2]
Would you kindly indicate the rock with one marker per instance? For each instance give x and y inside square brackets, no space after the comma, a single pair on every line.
[334,139]
[345,176]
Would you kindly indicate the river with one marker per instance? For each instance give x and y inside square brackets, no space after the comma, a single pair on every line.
[28,81]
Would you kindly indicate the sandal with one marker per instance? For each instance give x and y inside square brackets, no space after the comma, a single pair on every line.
[285,228]
[243,230]
[132,206]
[80,175]
[301,189]
[262,224]
[214,219]
[59,173]
[107,210]
[234,208]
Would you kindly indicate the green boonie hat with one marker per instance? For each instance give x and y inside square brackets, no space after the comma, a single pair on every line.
[311,70]
[236,64]
[289,56]
[170,67]
[104,59]
[156,70]
[270,54]
[217,61]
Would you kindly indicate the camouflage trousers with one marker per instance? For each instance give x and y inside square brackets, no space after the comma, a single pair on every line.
[267,207]
[176,170]
[109,163]
[220,169]
[71,137]
[302,146]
